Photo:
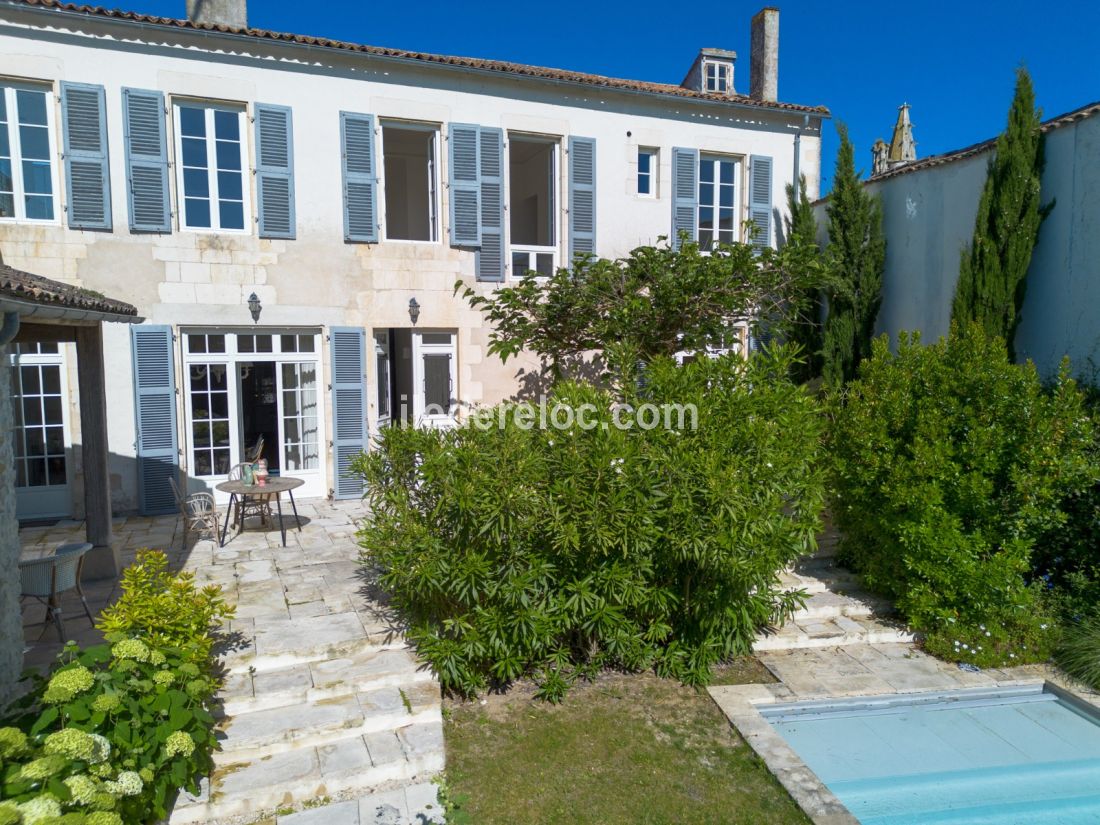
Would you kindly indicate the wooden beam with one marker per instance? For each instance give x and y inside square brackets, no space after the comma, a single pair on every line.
[46,334]
[103,561]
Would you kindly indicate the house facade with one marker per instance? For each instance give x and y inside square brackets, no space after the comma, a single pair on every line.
[290,216]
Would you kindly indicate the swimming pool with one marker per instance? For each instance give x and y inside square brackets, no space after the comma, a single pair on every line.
[1011,756]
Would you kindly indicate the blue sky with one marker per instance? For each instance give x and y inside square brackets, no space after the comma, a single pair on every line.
[954,62]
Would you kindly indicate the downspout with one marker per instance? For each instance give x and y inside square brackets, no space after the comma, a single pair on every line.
[798,156]
[9,328]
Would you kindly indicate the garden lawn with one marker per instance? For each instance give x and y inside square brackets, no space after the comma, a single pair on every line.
[623,749]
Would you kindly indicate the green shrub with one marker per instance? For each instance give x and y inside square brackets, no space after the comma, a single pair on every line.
[552,553]
[116,730]
[1078,652]
[949,463]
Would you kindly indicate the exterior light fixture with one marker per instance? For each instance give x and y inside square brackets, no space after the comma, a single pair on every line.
[414,310]
[254,307]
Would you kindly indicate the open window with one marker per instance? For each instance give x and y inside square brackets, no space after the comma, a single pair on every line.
[409,153]
[532,204]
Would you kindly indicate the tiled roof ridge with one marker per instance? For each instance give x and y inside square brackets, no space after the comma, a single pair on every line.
[500,66]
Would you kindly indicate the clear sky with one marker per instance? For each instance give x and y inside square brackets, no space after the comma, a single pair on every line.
[954,62]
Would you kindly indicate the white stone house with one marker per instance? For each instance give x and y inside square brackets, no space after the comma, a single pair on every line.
[290,215]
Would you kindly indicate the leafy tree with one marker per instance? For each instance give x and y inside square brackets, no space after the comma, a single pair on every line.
[656,301]
[993,271]
[857,251]
[806,330]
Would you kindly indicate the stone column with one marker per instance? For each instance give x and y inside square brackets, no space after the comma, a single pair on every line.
[11,621]
[103,561]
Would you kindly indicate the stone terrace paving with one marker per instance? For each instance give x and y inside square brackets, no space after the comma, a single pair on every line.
[328,716]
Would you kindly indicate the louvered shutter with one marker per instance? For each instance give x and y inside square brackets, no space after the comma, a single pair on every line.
[275,171]
[360,169]
[760,200]
[349,406]
[155,408]
[582,196]
[464,189]
[146,161]
[87,173]
[685,194]
[490,255]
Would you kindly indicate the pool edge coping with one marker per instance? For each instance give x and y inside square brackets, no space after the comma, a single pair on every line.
[740,705]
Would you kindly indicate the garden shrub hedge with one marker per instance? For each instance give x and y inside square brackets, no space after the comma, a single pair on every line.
[949,463]
[113,733]
[551,553]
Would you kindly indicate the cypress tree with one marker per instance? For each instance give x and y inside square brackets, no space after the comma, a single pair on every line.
[802,229]
[857,253]
[993,271]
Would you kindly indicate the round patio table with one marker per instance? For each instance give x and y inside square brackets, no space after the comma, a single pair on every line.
[275,486]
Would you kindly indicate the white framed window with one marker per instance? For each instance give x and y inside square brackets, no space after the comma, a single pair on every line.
[28,160]
[719,199]
[410,181]
[211,159]
[648,172]
[382,376]
[532,205]
[718,76]
[434,378]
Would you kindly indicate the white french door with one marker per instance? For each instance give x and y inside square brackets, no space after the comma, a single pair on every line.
[246,386]
[40,438]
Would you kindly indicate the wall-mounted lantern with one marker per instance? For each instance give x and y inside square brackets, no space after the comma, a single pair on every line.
[254,307]
[414,310]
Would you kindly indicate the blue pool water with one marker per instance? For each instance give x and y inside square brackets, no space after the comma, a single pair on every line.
[1011,756]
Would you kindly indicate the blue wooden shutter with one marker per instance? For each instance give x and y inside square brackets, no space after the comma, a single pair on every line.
[582,196]
[155,407]
[87,174]
[146,161]
[360,167]
[275,171]
[685,194]
[349,406]
[490,256]
[760,200]
[465,179]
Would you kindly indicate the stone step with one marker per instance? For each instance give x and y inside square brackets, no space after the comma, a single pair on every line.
[319,681]
[253,790]
[255,734]
[837,632]
[829,605]
[279,642]
[412,805]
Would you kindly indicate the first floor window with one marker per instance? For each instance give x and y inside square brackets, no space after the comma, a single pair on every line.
[409,159]
[647,173]
[717,200]
[28,187]
[210,152]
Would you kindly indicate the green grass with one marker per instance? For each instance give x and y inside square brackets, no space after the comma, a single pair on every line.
[624,749]
[1079,652]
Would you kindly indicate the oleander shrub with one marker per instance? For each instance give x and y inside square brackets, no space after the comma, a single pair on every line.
[515,551]
[949,462]
[115,730]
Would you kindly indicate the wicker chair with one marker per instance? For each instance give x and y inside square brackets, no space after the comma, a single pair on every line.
[250,504]
[198,511]
[45,579]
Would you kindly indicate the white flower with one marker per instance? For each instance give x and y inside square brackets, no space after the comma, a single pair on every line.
[987,633]
[769,464]
[1042,627]
[550,442]
[981,627]
[1011,655]
[966,646]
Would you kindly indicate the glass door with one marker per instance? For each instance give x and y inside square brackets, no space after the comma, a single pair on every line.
[40,437]
[434,379]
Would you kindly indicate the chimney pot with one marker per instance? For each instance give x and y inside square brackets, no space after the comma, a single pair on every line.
[232,13]
[764,56]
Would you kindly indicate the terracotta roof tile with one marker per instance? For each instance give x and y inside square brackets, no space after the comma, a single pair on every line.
[23,286]
[502,67]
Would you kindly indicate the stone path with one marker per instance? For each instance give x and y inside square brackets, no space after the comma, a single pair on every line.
[328,717]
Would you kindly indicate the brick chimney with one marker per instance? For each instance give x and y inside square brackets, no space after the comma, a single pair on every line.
[764,57]
[232,13]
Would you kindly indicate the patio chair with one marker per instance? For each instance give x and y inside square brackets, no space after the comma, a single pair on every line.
[257,451]
[47,578]
[198,511]
[250,504]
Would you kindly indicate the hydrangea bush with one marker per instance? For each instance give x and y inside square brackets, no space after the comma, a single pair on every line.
[949,464]
[112,734]
[518,551]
